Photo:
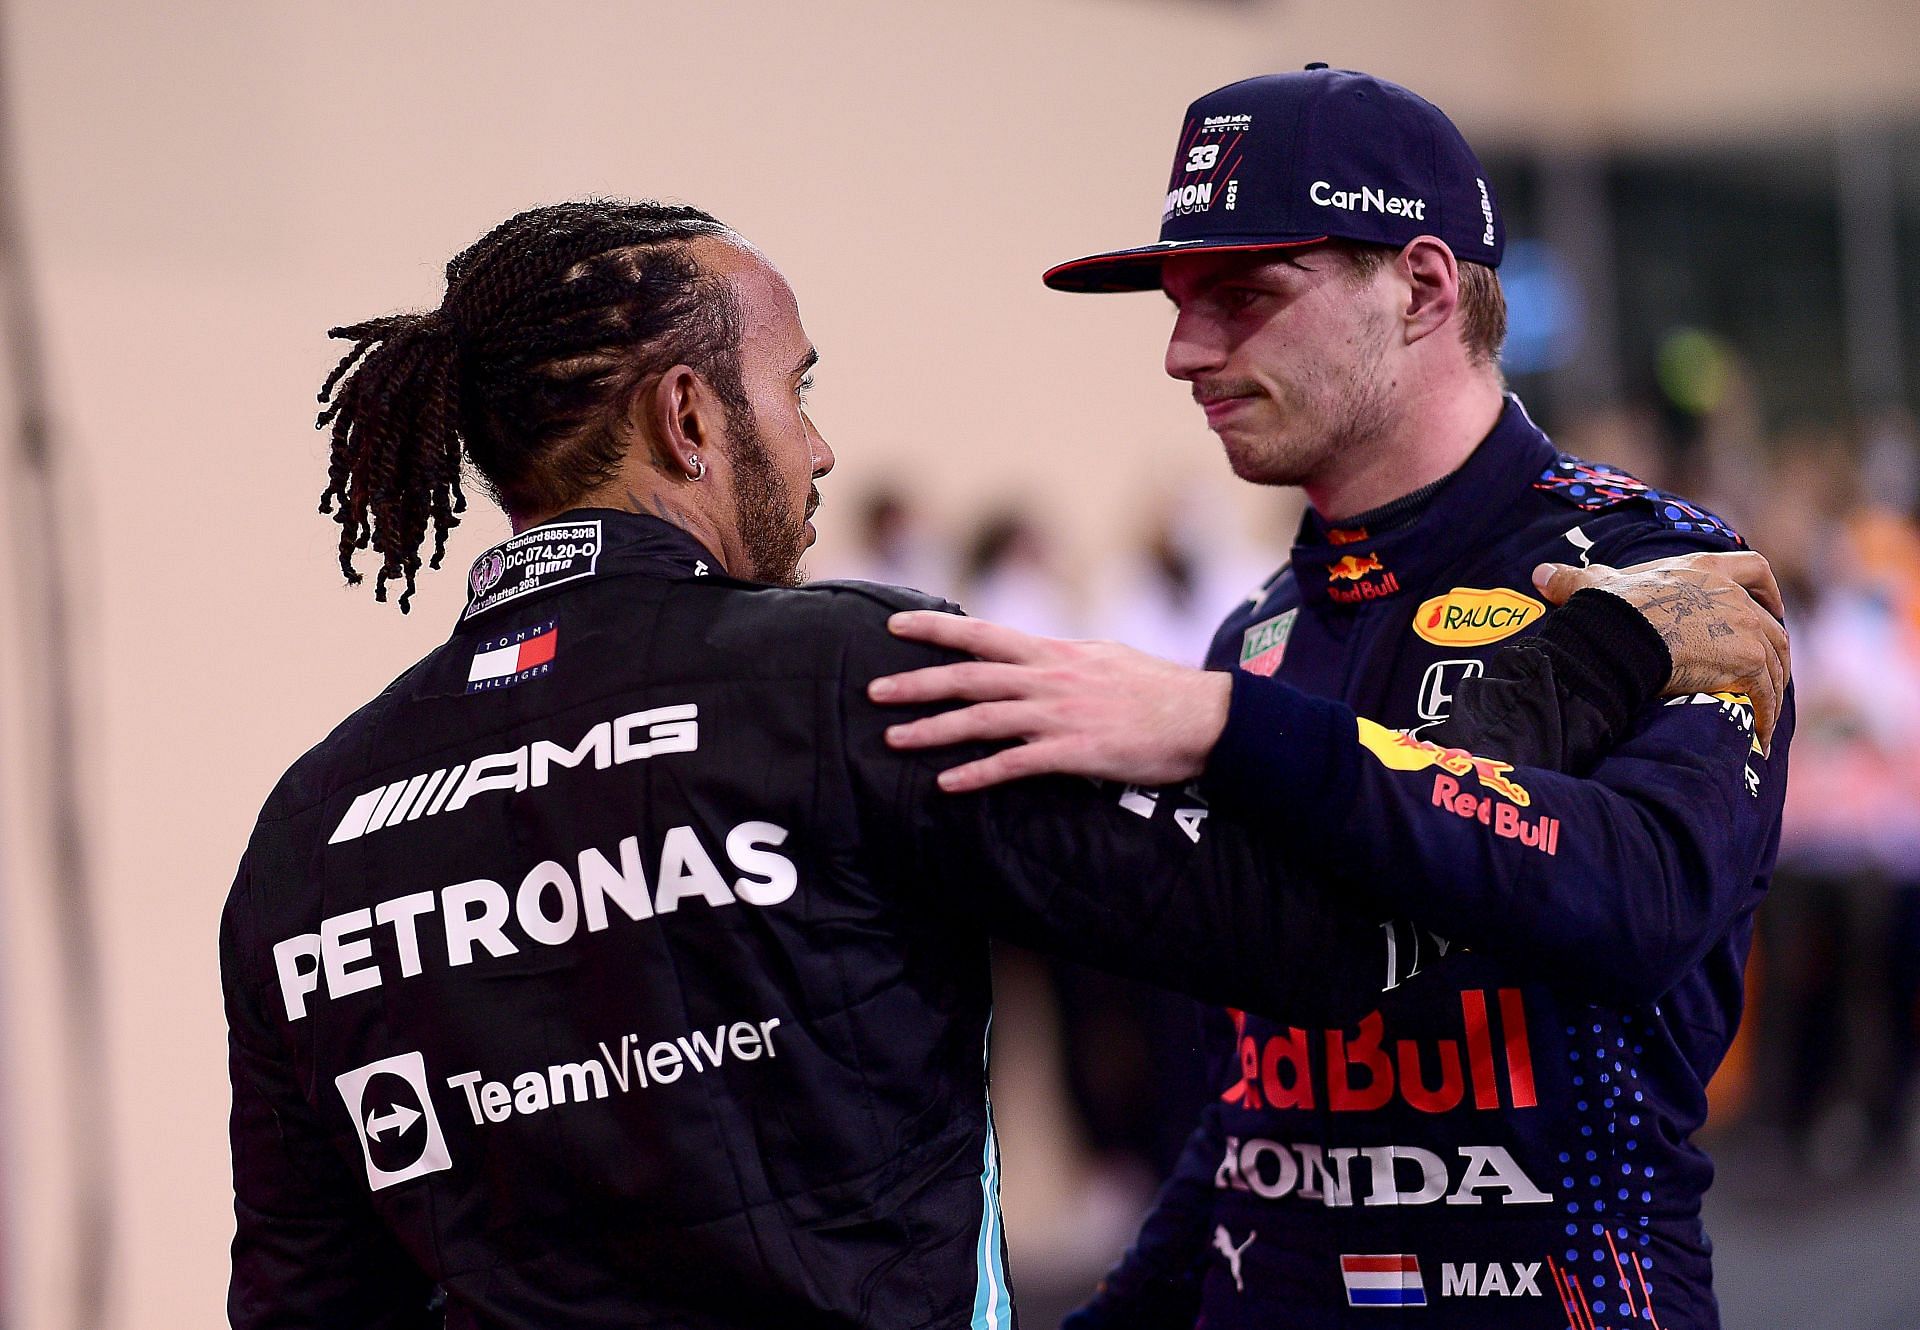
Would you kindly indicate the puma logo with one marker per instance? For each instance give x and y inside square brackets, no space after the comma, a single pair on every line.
[1223,1243]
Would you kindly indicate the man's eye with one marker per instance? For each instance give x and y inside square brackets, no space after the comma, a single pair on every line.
[1238,298]
[804,387]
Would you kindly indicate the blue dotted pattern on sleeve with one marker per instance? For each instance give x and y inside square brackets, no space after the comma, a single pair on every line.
[1608,1188]
[1592,486]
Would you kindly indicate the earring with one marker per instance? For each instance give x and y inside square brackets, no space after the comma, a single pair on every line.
[699,466]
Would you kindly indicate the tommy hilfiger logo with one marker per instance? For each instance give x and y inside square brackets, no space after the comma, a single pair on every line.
[502,662]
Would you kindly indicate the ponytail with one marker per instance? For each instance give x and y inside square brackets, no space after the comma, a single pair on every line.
[393,404]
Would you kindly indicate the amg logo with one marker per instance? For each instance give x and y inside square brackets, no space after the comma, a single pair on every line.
[627,738]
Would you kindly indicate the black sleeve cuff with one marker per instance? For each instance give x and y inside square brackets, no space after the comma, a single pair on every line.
[1605,653]
[1283,753]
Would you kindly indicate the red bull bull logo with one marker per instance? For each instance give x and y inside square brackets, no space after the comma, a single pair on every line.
[1353,567]
[1403,752]
[1356,571]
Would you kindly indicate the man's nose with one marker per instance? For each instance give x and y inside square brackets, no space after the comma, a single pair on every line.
[823,458]
[1193,349]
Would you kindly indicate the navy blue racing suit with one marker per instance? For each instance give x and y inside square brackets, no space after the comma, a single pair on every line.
[1507,1141]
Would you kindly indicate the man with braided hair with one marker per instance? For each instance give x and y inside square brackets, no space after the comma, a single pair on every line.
[610,968]
[554,314]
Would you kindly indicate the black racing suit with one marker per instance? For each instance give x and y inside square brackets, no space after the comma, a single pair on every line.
[609,969]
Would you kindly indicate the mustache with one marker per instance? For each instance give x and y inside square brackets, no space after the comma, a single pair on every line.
[1206,393]
[813,499]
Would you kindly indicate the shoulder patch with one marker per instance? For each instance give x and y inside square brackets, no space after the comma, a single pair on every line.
[1595,486]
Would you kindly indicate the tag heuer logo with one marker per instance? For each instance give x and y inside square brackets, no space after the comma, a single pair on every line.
[1265,644]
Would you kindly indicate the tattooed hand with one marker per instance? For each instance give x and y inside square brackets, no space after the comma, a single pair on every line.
[1719,614]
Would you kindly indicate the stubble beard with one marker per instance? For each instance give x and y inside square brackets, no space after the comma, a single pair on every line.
[1342,423]
[773,534]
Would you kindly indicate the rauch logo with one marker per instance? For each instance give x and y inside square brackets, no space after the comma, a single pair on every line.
[1473,617]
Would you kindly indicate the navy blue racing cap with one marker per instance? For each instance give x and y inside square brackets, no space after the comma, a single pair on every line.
[1287,160]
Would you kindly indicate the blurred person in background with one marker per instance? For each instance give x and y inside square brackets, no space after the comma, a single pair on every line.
[1329,242]
[1709,412]
[896,548]
[1842,932]
[1164,594]
[1010,573]
[1162,608]
[636,1086]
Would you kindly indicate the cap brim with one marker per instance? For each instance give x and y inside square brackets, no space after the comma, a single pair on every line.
[1138,269]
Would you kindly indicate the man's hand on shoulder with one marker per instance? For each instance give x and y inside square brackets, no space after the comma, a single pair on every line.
[1106,711]
[1094,709]
[1719,614]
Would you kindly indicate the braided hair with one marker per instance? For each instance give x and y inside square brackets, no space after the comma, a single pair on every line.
[550,322]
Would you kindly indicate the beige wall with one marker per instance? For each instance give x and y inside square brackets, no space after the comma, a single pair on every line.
[211,185]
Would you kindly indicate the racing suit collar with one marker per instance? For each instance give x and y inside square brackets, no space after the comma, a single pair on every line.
[635,539]
[1346,566]
[584,542]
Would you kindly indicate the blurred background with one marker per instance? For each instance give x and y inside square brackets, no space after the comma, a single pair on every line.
[1714,279]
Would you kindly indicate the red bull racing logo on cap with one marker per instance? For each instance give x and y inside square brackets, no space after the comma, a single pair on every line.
[1203,168]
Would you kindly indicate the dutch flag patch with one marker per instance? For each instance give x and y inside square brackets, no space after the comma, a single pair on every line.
[1383,1281]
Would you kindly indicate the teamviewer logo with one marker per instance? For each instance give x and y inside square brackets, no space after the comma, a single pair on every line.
[392,1111]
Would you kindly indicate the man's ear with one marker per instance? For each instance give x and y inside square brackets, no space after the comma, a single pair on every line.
[679,419]
[1432,276]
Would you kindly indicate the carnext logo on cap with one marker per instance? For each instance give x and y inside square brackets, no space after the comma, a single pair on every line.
[1367,199]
